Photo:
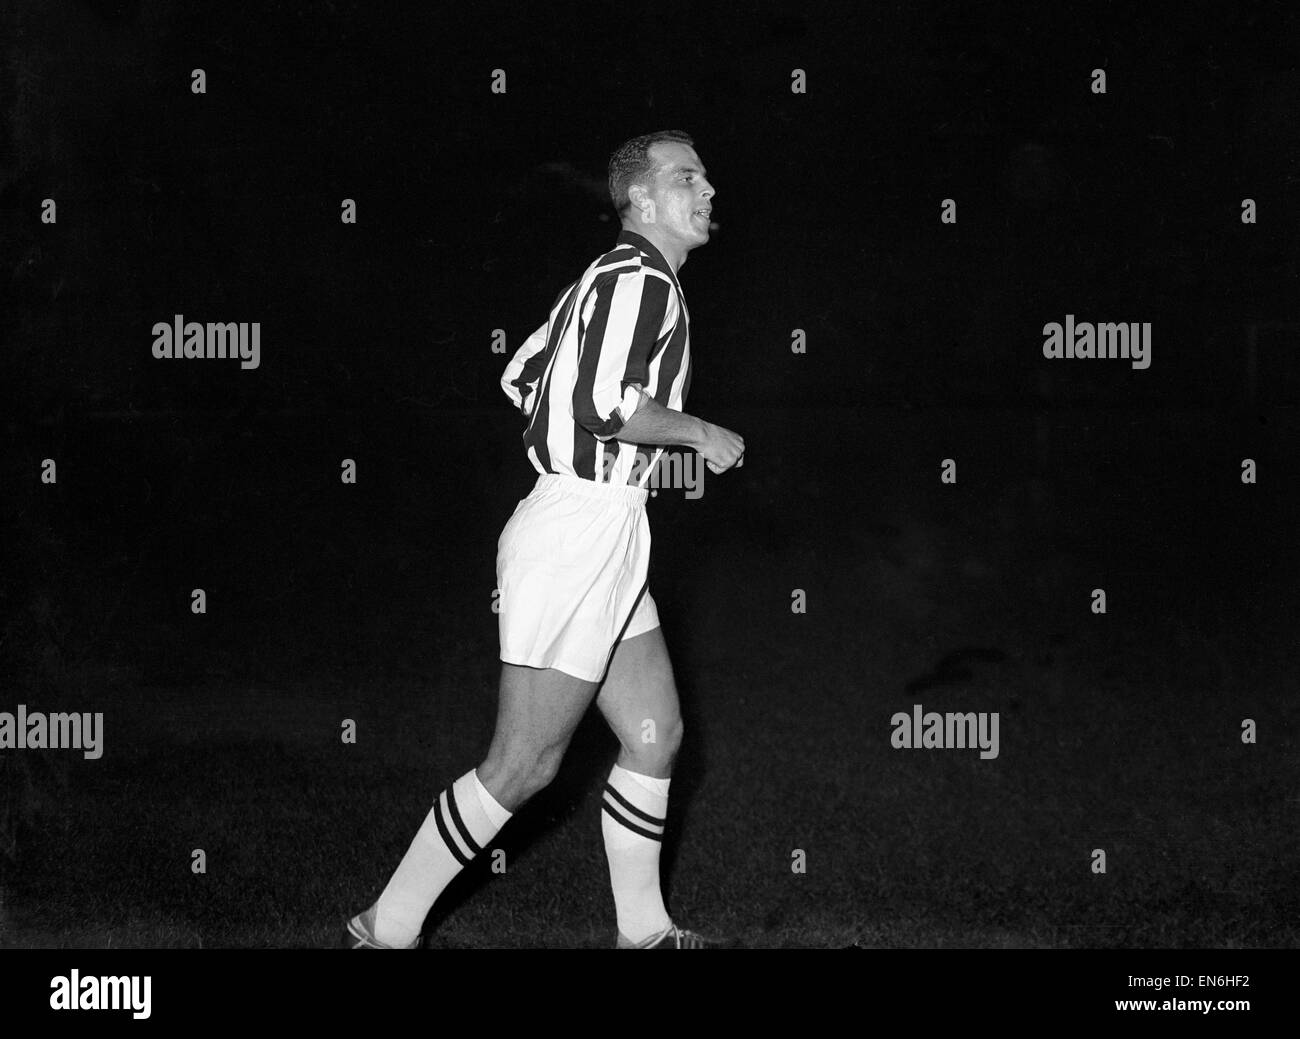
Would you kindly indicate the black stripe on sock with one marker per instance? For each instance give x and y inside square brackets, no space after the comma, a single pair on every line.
[461,828]
[447,838]
[613,814]
[609,789]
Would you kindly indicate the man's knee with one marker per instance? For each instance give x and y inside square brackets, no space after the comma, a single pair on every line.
[673,730]
[542,767]
[653,746]
[517,772]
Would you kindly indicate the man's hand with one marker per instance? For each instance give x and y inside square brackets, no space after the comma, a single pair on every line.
[721,448]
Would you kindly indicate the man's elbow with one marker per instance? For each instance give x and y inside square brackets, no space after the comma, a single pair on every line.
[601,427]
[607,427]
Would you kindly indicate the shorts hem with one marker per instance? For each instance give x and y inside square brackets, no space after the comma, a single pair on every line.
[643,631]
[574,671]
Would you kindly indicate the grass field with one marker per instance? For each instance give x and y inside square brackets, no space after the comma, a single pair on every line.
[1118,732]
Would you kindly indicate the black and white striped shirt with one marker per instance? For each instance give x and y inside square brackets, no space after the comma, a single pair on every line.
[623,324]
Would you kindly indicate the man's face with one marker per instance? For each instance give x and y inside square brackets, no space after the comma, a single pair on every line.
[678,191]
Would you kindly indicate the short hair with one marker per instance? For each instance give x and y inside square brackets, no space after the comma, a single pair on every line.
[631,162]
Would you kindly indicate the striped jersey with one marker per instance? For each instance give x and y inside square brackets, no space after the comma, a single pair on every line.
[623,324]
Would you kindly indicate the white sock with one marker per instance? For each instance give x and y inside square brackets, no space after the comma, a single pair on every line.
[464,818]
[632,822]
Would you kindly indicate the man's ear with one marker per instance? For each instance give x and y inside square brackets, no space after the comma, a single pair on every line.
[642,201]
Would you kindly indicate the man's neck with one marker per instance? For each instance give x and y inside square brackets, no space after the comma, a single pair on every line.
[675,259]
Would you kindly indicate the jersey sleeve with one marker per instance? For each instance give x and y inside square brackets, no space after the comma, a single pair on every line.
[524,369]
[628,320]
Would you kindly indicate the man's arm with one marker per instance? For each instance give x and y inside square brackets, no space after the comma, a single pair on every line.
[524,369]
[652,423]
[632,311]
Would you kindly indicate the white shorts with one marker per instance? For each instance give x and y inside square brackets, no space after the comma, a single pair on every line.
[572,563]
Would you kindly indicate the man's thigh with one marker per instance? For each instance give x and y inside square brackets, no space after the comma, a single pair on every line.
[539,707]
[639,687]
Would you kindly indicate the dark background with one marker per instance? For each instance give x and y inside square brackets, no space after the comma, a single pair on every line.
[373,601]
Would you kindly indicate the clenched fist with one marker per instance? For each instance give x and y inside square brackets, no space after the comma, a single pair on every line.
[722,449]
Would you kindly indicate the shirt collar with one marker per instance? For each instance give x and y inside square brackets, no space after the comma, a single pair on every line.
[629,237]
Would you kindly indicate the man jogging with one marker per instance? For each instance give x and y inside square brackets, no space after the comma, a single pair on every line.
[602,383]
